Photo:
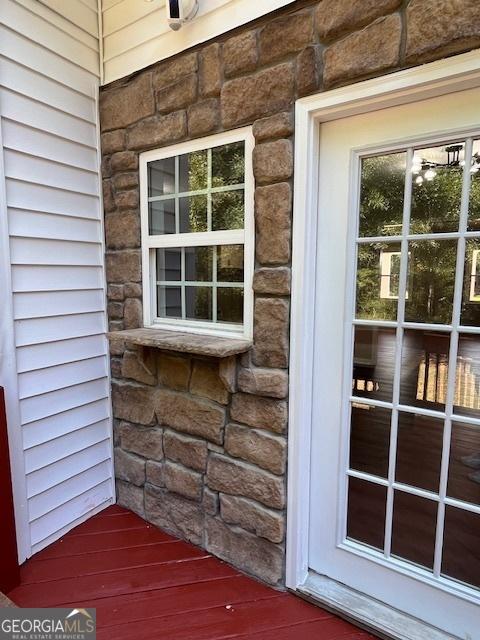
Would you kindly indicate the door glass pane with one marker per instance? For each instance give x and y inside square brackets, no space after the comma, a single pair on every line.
[467,376]
[474,201]
[169,302]
[228,164]
[437,188]
[370,439]
[419,451]
[192,171]
[230,304]
[198,264]
[382,194]
[470,313]
[414,528]
[373,363]
[161,177]
[161,217]
[227,210]
[464,465]
[169,264]
[424,369]
[431,281]
[198,303]
[366,512]
[193,214]
[230,263]
[461,542]
[378,271]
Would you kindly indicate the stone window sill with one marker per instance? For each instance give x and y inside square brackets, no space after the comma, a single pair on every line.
[194,343]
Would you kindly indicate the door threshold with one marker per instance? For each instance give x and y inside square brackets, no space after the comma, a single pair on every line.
[368,613]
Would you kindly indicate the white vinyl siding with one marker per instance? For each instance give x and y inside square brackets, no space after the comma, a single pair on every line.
[136,33]
[49,78]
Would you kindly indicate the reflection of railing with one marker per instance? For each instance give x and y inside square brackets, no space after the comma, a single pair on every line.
[432,381]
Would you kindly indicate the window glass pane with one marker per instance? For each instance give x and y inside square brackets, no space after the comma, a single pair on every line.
[169,264]
[161,217]
[193,171]
[378,270]
[373,363]
[161,177]
[198,303]
[193,214]
[437,188]
[461,543]
[366,512]
[228,164]
[467,376]
[227,210]
[414,527]
[230,304]
[474,207]
[169,302]
[370,439]
[419,451]
[470,314]
[424,369]
[198,264]
[230,263]
[431,281]
[382,194]
[464,465]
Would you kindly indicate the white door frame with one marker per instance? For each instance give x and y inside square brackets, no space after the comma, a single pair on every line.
[427,81]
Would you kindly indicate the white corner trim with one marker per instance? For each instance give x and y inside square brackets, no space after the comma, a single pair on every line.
[419,83]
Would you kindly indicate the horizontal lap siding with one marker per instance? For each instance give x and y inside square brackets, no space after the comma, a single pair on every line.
[136,34]
[49,68]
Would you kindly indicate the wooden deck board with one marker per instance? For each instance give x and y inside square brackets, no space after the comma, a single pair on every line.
[141,580]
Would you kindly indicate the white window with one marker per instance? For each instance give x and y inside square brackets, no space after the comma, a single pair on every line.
[196,202]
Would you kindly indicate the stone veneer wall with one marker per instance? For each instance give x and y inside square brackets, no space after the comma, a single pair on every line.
[201,443]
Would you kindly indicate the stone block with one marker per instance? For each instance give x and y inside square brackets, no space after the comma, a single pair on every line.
[240,54]
[439,28]
[254,555]
[191,452]
[113,141]
[116,367]
[122,106]
[285,35]
[130,497]
[125,181]
[206,382]
[273,161]
[173,372]
[375,48]
[123,266]
[127,199]
[139,365]
[108,197]
[129,468]
[253,517]
[260,448]
[191,415]
[210,501]
[115,310]
[124,161]
[279,125]
[133,403]
[178,95]
[209,71]
[174,513]
[132,313]
[273,206]
[308,70]
[335,17]
[171,71]
[183,481]
[154,473]
[203,117]
[158,131]
[132,290]
[263,413]
[270,329]
[272,383]
[251,97]
[241,479]
[273,281]
[227,371]
[117,347]
[144,441]
[122,230]
[115,292]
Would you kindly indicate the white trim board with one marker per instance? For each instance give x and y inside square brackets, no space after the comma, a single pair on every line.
[412,85]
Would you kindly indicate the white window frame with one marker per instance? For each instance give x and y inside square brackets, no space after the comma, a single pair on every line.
[245,237]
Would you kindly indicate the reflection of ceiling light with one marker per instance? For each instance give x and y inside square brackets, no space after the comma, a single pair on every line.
[418,180]
[430,174]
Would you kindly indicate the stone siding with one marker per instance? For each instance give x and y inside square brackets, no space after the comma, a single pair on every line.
[201,443]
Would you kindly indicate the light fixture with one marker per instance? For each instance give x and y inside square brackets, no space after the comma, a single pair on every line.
[180,11]
[418,180]
[430,174]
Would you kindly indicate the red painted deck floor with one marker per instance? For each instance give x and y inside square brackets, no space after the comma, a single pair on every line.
[145,584]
